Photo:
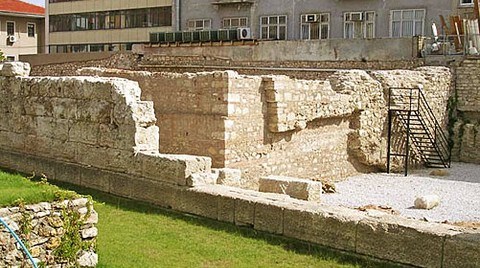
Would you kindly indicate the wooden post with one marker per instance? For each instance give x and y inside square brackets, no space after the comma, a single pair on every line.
[476,12]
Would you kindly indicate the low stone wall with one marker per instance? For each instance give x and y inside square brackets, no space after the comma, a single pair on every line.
[42,229]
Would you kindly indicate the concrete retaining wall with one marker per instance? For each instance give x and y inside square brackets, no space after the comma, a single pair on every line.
[378,49]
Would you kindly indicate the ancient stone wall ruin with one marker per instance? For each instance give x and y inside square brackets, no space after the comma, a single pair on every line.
[466,117]
[316,129]
[127,163]
[95,123]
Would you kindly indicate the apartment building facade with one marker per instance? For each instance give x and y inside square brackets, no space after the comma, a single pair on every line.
[320,19]
[104,25]
[21,29]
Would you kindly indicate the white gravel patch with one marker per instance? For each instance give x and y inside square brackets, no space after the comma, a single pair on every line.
[459,193]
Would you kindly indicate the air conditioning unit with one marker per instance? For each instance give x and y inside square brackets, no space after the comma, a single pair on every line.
[311,18]
[12,38]
[356,16]
[244,33]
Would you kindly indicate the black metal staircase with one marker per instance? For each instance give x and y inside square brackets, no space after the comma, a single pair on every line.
[409,108]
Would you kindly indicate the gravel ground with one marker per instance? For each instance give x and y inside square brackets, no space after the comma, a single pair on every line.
[459,193]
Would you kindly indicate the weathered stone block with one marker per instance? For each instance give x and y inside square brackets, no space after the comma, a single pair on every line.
[197,203]
[203,178]
[16,68]
[401,240]
[64,108]
[44,146]
[147,138]
[268,218]
[462,250]
[120,184]
[332,227]
[144,114]
[67,172]
[97,111]
[244,212]
[172,168]
[294,187]
[95,179]
[229,177]
[83,132]
[12,140]
[159,193]
[226,209]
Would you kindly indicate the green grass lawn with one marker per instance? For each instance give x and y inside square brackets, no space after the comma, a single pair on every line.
[135,234]
[15,189]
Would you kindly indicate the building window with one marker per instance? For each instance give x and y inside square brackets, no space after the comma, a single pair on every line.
[97,48]
[466,2]
[273,27]
[359,24]
[31,29]
[10,58]
[10,28]
[199,24]
[115,19]
[233,23]
[407,22]
[79,48]
[315,26]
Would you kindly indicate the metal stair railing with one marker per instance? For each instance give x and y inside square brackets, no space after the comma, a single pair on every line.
[410,104]
[440,139]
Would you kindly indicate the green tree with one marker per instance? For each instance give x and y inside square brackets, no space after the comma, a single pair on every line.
[2,57]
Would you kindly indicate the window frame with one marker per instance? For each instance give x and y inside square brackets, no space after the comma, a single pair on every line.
[239,22]
[34,29]
[276,25]
[320,24]
[6,29]
[462,4]
[402,20]
[112,19]
[197,28]
[364,23]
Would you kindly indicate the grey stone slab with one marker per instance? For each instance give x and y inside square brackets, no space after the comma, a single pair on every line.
[462,250]
[401,240]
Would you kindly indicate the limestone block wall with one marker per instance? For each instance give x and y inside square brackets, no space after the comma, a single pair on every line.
[326,129]
[437,82]
[94,123]
[42,228]
[466,139]
[190,109]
